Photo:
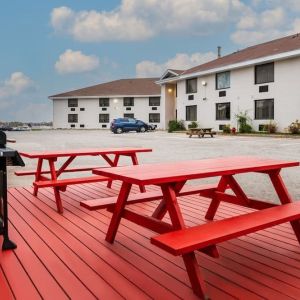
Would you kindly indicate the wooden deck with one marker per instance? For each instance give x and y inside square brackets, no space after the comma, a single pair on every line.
[66,256]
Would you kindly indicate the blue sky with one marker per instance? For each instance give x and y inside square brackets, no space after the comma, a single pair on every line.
[52,46]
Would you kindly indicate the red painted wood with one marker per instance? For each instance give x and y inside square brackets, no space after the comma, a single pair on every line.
[79,280]
[69,181]
[91,232]
[187,170]
[284,197]
[221,283]
[82,152]
[68,170]
[101,203]
[5,291]
[187,240]
[222,186]
[118,210]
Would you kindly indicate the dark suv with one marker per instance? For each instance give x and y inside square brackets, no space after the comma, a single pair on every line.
[128,124]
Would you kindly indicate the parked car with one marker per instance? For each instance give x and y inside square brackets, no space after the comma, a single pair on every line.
[120,125]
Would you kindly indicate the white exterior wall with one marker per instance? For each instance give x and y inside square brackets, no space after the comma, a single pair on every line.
[90,117]
[242,93]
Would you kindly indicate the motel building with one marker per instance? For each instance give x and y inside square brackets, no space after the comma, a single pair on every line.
[262,80]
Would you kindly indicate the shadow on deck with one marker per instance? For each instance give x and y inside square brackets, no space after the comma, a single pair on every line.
[66,256]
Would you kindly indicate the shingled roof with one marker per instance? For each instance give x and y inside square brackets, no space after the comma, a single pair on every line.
[121,87]
[273,47]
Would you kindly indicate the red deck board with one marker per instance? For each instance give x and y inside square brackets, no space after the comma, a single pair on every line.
[5,291]
[253,267]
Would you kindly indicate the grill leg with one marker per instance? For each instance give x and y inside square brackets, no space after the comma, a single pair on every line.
[7,243]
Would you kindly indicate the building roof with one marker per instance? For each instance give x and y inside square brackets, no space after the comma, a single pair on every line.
[273,47]
[121,87]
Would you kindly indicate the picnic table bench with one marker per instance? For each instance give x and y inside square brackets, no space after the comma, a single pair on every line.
[201,132]
[174,237]
[110,155]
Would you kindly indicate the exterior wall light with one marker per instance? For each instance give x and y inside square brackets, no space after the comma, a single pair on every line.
[170,90]
[204,83]
[115,100]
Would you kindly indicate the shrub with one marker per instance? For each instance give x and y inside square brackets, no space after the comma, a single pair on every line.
[294,127]
[193,125]
[175,125]
[226,129]
[271,127]
[242,120]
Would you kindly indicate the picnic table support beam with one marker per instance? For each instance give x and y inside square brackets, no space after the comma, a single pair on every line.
[215,202]
[284,198]
[38,175]
[55,189]
[65,165]
[195,276]
[135,162]
[118,212]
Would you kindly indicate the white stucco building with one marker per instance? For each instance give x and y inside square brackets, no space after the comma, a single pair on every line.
[261,80]
[96,106]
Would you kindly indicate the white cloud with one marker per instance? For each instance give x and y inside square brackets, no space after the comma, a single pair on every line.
[181,61]
[255,27]
[16,84]
[138,20]
[75,62]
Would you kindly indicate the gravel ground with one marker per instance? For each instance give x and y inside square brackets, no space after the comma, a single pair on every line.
[168,147]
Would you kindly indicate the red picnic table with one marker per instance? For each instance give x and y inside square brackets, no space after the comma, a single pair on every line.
[110,155]
[175,238]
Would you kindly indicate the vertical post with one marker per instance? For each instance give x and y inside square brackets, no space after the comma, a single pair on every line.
[135,162]
[7,243]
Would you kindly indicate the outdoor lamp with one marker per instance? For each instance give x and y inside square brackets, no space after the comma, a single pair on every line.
[204,83]
[170,90]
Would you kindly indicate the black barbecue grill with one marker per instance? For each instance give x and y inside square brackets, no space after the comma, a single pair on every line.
[8,157]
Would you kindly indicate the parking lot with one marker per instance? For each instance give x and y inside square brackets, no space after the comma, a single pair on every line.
[168,147]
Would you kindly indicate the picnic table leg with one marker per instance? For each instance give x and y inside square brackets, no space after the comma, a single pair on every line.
[189,259]
[135,162]
[55,189]
[284,198]
[38,175]
[195,276]
[161,209]
[114,164]
[213,207]
[118,212]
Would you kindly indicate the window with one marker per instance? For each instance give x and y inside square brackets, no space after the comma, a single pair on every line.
[223,80]
[129,116]
[223,111]
[103,118]
[128,101]
[191,113]
[264,109]
[264,73]
[191,86]
[154,101]
[104,102]
[73,102]
[154,118]
[72,118]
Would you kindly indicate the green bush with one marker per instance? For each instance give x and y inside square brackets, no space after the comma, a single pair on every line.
[193,125]
[243,125]
[226,129]
[175,125]
[294,127]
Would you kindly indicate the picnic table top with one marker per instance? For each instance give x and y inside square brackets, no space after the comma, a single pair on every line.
[201,128]
[159,173]
[82,152]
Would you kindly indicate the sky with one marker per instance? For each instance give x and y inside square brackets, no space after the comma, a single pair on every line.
[48,47]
